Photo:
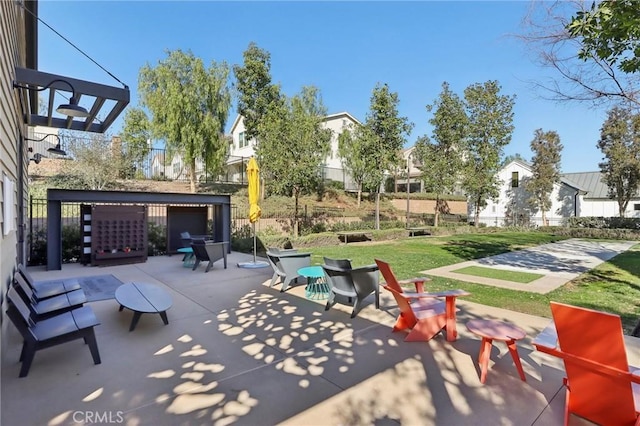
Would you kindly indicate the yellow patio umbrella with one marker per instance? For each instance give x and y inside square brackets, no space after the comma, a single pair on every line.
[253,178]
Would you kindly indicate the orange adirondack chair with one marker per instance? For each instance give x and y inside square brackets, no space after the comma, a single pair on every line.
[425,314]
[600,384]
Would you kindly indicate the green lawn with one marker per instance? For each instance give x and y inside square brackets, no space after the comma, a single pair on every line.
[499,274]
[612,287]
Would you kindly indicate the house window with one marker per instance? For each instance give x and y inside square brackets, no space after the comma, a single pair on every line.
[636,207]
[514,179]
[241,140]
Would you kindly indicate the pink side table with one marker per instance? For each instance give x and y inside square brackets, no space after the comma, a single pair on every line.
[491,330]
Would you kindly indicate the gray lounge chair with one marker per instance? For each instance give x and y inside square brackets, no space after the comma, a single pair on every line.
[208,252]
[41,334]
[352,283]
[285,264]
[45,289]
[50,306]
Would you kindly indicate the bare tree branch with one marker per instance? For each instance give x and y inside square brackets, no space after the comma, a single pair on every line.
[591,80]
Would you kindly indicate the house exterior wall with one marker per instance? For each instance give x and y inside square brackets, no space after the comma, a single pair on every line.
[12,157]
[607,208]
[512,206]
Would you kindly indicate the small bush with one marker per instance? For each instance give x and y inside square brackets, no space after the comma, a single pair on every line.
[156,236]
[71,243]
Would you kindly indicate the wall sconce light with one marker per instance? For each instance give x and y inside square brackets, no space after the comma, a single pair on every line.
[37,157]
[53,150]
[71,109]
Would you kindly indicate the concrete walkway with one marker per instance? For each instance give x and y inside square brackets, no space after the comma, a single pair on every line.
[559,263]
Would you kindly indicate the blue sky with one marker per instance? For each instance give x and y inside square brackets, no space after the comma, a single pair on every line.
[343,48]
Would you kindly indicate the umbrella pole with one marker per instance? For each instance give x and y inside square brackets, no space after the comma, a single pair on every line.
[254,242]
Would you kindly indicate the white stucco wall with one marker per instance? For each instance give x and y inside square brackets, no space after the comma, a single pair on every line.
[513,202]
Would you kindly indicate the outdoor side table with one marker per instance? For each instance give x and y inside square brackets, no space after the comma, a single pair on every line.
[189,258]
[143,298]
[491,330]
[317,287]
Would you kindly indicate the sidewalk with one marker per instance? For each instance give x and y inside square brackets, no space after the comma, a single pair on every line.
[559,262]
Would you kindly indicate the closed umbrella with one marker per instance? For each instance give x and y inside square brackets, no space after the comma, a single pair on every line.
[253,178]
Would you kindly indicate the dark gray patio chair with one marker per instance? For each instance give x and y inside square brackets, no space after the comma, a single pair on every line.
[45,289]
[51,306]
[42,334]
[285,264]
[209,251]
[352,283]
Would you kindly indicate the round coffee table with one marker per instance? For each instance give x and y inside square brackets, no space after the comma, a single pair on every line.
[143,298]
[317,287]
[491,330]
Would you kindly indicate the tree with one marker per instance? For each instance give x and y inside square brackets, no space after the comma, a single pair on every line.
[620,145]
[489,131]
[189,105]
[136,134]
[387,134]
[96,162]
[594,52]
[293,145]
[256,92]
[443,159]
[511,157]
[546,148]
[610,31]
[352,147]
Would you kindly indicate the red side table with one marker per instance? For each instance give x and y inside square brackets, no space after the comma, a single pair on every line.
[491,330]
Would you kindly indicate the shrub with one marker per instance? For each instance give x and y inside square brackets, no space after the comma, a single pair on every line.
[157,238]
[71,243]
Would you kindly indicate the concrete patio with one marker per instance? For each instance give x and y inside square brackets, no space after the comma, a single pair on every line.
[238,352]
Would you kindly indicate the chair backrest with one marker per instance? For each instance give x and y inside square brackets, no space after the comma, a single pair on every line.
[199,251]
[388,275]
[20,281]
[592,340]
[19,304]
[186,239]
[27,276]
[339,278]
[403,304]
[340,263]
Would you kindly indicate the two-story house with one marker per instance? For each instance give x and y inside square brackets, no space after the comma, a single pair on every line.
[241,149]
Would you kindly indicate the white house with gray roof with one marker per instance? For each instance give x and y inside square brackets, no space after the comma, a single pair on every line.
[577,194]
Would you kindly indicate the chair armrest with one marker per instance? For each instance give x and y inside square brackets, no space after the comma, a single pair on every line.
[294,254]
[446,293]
[547,338]
[366,268]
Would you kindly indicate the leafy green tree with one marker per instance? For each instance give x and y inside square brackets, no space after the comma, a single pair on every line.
[136,134]
[352,147]
[293,145]
[442,160]
[189,105]
[256,92]
[610,31]
[547,149]
[387,133]
[512,157]
[620,145]
[490,127]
